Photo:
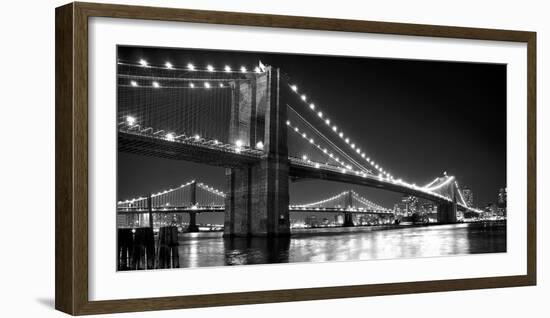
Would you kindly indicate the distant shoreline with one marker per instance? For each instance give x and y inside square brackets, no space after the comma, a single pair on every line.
[357,229]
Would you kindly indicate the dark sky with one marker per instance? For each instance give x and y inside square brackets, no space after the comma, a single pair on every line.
[417,118]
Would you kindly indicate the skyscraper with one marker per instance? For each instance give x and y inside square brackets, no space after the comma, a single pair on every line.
[501,202]
[409,204]
[468,195]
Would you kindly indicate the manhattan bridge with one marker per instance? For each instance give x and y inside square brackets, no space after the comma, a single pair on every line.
[266,131]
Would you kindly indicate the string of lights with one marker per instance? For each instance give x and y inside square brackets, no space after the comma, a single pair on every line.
[431,183]
[156,194]
[190,67]
[191,85]
[460,194]
[175,197]
[132,123]
[336,197]
[367,202]
[449,179]
[339,132]
[323,150]
[329,142]
[211,189]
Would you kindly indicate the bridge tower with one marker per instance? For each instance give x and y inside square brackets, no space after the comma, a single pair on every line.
[348,216]
[193,215]
[446,212]
[257,195]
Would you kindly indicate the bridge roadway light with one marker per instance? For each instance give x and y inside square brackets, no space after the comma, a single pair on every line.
[143,63]
[294,88]
[191,85]
[243,69]
[221,85]
[303,97]
[134,83]
[257,69]
[260,145]
[190,67]
[130,120]
[238,143]
[312,106]
[227,68]
[206,85]
[320,114]
[197,137]
[210,68]
[170,137]
[156,84]
[169,65]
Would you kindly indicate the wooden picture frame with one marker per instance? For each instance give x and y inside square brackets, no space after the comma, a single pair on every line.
[71,233]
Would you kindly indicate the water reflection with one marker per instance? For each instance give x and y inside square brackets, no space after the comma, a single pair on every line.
[412,242]
[210,249]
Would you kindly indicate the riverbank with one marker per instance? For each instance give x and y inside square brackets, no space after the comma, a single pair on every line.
[360,229]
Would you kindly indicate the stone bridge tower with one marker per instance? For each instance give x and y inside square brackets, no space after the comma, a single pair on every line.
[257,195]
[446,212]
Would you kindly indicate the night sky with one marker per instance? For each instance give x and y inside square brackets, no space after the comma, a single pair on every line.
[417,118]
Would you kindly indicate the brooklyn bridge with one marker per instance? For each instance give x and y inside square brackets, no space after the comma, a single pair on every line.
[266,131]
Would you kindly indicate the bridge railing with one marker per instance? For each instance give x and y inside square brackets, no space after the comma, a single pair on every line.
[194,140]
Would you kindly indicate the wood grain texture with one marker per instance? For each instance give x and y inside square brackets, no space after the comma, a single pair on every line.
[64,235]
[532,159]
[72,157]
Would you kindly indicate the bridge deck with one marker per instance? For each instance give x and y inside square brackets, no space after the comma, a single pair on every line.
[303,170]
[224,156]
[200,152]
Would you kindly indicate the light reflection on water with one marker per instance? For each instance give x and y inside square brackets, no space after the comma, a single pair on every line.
[360,244]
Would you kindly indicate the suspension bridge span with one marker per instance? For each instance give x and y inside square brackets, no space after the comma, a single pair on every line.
[194,197]
[259,126]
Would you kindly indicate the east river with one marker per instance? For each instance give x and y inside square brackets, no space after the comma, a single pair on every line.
[342,244]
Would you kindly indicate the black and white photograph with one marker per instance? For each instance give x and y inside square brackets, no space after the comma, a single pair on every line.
[242,158]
